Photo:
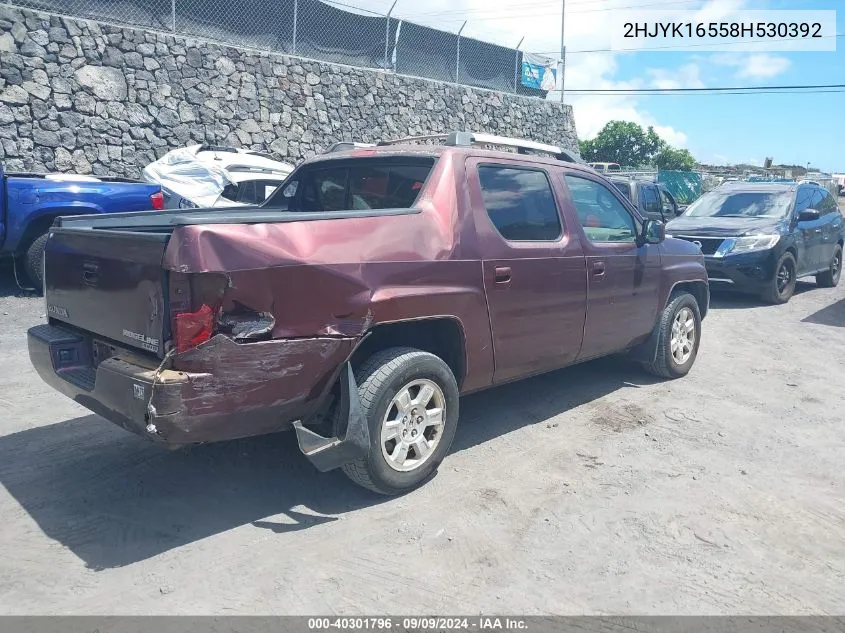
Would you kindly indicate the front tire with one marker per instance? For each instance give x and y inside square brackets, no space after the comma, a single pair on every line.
[782,286]
[410,399]
[678,337]
[830,277]
[34,261]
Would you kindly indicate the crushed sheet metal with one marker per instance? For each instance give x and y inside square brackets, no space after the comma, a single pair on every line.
[222,383]
[244,324]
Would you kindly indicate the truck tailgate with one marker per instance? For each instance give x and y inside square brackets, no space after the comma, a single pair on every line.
[110,283]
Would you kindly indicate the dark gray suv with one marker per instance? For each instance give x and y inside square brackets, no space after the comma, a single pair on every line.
[762,237]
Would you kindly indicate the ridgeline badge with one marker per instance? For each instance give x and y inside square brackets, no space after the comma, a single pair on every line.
[149,344]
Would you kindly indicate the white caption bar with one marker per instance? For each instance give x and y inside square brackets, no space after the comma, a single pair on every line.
[724,31]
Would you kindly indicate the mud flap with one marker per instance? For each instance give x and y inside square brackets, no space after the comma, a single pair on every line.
[330,453]
[646,352]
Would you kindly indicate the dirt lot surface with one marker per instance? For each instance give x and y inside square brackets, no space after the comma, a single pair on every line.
[590,490]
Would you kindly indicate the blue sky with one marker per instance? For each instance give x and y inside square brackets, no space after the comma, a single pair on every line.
[791,128]
[727,129]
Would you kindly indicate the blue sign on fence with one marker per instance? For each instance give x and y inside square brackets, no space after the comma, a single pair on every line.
[538,72]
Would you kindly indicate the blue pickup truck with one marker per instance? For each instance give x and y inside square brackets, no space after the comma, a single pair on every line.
[30,202]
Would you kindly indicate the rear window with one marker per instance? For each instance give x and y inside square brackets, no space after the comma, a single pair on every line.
[356,185]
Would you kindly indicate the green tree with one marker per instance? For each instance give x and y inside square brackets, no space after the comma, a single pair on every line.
[674,159]
[622,142]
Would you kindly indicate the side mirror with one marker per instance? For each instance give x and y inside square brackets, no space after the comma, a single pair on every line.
[679,210]
[809,215]
[654,232]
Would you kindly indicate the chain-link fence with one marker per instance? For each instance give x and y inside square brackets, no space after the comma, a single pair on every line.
[331,32]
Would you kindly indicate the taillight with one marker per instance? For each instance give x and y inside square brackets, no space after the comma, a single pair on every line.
[157,200]
[193,328]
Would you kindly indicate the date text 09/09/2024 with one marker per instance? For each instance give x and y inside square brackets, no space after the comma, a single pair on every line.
[480,623]
[761,30]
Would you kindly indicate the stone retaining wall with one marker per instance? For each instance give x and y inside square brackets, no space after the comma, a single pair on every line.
[86,97]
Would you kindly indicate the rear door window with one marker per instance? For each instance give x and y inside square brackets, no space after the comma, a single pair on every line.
[520,203]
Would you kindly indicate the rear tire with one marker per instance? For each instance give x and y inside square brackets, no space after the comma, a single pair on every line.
[830,277]
[34,261]
[404,392]
[782,285]
[678,337]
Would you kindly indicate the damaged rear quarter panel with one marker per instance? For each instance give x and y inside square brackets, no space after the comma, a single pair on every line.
[242,389]
[330,280]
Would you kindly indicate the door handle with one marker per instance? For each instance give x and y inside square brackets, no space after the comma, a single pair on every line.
[818,230]
[503,274]
[598,269]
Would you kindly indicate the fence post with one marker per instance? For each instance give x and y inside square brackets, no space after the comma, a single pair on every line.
[562,72]
[387,33]
[295,18]
[458,55]
[516,65]
[173,15]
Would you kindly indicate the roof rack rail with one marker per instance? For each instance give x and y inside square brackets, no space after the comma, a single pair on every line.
[343,146]
[467,139]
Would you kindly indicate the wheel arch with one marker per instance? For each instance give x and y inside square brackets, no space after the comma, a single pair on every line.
[42,222]
[698,288]
[442,336]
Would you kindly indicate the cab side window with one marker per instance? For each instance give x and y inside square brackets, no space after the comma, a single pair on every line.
[670,209]
[602,216]
[827,204]
[649,202]
[803,199]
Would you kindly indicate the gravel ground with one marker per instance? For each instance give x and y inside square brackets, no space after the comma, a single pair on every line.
[590,490]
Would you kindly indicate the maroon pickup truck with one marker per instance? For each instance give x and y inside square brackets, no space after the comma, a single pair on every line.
[361,300]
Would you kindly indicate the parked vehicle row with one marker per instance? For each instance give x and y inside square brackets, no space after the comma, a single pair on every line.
[362,299]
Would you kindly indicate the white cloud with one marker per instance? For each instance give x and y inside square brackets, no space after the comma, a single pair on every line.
[763,65]
[753,66]
[687,76]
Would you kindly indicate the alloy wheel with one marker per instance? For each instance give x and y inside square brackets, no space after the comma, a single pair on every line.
[784,277]
[683,336]
[413,425]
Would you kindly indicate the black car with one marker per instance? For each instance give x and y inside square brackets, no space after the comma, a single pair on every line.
[651,199]
[761,237]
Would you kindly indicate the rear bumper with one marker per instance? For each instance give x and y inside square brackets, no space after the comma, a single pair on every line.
[749,272]
[227,391]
